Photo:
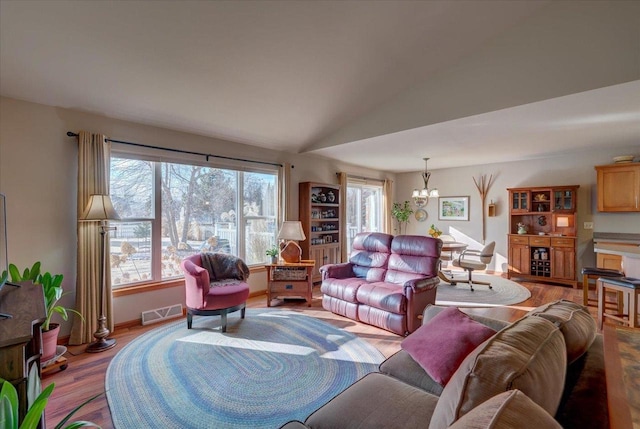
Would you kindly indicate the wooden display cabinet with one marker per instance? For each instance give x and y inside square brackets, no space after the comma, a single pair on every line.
[619,187]
[547,252]
[319,212]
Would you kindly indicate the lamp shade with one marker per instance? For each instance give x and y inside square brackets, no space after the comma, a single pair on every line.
[291,230]
[99,208]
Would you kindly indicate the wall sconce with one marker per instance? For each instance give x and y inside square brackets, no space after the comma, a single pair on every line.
[421,196]
[562,221]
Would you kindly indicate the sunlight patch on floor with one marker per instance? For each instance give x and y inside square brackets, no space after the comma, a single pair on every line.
[214,339]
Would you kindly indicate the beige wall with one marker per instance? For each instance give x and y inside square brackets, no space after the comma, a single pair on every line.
[575,169]
[38,175]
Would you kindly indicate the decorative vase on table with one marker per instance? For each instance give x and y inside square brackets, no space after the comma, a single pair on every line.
[522,230]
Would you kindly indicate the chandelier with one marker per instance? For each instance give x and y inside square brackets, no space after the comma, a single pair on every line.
[421,196]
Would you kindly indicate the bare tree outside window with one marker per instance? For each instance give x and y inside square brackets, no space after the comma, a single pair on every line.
[199,211]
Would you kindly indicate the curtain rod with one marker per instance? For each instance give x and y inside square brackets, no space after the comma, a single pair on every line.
[363,178]
[207,155]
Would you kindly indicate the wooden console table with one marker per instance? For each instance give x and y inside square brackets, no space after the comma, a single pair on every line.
[290,279]
[621,356]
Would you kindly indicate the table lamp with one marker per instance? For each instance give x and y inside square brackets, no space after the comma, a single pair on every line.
[291,230]
[100,209]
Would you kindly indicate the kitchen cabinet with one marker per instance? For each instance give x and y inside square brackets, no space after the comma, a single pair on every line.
[619,187]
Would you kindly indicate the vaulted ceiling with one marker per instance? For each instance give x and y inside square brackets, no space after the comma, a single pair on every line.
[380,84]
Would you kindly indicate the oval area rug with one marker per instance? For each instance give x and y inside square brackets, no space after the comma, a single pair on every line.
[269,368]
[504,292]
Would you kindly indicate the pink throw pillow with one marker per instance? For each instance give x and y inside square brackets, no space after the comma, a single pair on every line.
[440,345]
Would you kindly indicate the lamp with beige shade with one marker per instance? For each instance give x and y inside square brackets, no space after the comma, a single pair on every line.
[290,233]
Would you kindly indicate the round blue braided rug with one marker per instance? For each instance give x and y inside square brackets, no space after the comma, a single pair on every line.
[269,368]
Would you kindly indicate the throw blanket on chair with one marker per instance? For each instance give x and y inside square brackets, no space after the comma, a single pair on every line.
[222,266]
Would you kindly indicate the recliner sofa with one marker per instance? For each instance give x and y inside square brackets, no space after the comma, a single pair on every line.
[387,282]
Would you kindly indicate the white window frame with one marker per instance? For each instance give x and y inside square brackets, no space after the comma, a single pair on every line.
[360,184]
[156,220]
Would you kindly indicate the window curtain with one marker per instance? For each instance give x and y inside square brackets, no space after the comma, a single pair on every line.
[284,193]
[342,181]
[93,178]
[386,206]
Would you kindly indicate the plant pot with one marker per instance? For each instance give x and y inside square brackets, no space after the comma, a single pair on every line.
[49,342]
[273,259]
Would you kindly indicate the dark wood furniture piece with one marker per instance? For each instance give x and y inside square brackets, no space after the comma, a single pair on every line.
[290,280]
[547,251]
[319,212]
[621,356]
[629,291]
[20,336]
[619,187]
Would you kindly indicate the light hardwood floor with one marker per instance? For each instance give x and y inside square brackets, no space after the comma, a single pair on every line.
[85,374]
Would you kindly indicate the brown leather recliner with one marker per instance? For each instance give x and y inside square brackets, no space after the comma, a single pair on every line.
[387,282]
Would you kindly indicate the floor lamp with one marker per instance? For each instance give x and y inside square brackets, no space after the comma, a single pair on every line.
[100,209]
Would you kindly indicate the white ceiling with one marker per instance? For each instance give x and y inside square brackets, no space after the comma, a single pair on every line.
[379,84]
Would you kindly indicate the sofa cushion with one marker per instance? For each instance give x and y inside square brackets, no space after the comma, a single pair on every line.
[412,257]
[386,296]
[344,289]
[440,345]
[375,401]
[370,255]
[512,409]
[402,366]
[529,355]
[575,323]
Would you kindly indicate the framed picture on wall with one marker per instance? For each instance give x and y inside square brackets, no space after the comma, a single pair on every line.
[453,208]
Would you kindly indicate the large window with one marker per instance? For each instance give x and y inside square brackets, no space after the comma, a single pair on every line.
[364,208]
[172,210]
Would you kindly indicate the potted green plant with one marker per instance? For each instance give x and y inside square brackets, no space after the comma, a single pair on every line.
[401,213]
[52,288]
[273,253]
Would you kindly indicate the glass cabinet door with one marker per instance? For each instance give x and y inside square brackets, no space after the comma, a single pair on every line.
[563,200]
[520,201]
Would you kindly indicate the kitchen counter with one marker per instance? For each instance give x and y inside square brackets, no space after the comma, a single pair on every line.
[616,237]
[618,249]
[630,257]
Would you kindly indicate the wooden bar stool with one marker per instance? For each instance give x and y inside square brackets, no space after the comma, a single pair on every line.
[591,273]
[630,289]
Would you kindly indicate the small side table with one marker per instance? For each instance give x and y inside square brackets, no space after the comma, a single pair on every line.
[290,279]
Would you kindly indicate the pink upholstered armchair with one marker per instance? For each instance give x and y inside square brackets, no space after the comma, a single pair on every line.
[218,289]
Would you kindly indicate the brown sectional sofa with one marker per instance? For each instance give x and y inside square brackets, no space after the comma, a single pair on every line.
[549,363]
[387,282]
